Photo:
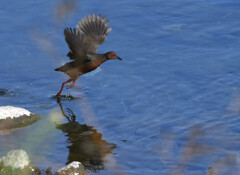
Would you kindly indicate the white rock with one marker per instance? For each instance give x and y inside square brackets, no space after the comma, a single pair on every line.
[74,164]
[12,112]
[15,159]
[74,168]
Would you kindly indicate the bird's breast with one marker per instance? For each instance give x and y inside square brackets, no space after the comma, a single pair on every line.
[90,66]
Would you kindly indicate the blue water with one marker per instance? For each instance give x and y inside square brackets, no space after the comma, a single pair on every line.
[170,107]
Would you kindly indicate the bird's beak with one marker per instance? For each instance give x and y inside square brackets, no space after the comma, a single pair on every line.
[119,58]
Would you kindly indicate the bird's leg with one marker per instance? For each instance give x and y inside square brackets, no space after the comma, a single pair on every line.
[59,93]
[73,83]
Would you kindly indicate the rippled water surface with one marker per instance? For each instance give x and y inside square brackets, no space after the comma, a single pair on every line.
[172,105]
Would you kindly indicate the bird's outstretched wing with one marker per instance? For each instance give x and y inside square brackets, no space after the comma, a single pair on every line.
[94,29]
[74,40]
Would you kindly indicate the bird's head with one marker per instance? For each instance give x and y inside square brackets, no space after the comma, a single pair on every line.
[112,55]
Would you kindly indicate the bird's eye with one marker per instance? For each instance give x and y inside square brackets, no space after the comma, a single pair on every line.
[112,55]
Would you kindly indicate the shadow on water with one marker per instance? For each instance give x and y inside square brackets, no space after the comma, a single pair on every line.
[85,143]
[64,97]
[2,92]
[6,92]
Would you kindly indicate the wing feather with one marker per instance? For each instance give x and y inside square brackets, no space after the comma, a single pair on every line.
[91,32]
[95,30]
[74,40]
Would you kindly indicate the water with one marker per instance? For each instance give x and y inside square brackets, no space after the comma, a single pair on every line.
[170,107]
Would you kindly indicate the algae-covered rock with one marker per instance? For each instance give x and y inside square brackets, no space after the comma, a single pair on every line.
[16,162]
[15,159]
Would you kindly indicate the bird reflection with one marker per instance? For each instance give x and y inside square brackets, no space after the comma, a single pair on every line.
[85,143]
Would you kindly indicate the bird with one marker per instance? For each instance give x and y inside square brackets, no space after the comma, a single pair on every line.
[83,43]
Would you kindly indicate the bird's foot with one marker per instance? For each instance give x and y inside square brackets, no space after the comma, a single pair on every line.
[71,85]
[57,95]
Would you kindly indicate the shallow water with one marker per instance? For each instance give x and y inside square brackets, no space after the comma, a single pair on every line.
[170,107]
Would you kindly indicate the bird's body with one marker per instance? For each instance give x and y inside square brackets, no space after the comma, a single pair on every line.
[83,44]
[76,68]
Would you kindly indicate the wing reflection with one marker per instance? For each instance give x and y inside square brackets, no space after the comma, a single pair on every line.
[85,143]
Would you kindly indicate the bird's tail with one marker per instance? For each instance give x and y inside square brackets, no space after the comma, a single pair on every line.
[57,69]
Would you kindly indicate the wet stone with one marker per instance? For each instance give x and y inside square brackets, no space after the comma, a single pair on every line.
[48,171]
[72,169]
[15,117]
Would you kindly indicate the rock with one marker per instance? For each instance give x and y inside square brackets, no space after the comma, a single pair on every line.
[16,162]
[48,171]
[15,117]
[15,159]
[211,171]
[72,169]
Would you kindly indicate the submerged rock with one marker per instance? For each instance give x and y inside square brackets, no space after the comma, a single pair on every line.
[16,162]
[7,92]
[2,92]
[72,169]
[211,171]
[14,117]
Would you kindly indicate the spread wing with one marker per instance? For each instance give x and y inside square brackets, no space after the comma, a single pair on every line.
[94,30]
[75,43]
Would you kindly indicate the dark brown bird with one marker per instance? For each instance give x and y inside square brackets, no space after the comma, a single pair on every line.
[83,43]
